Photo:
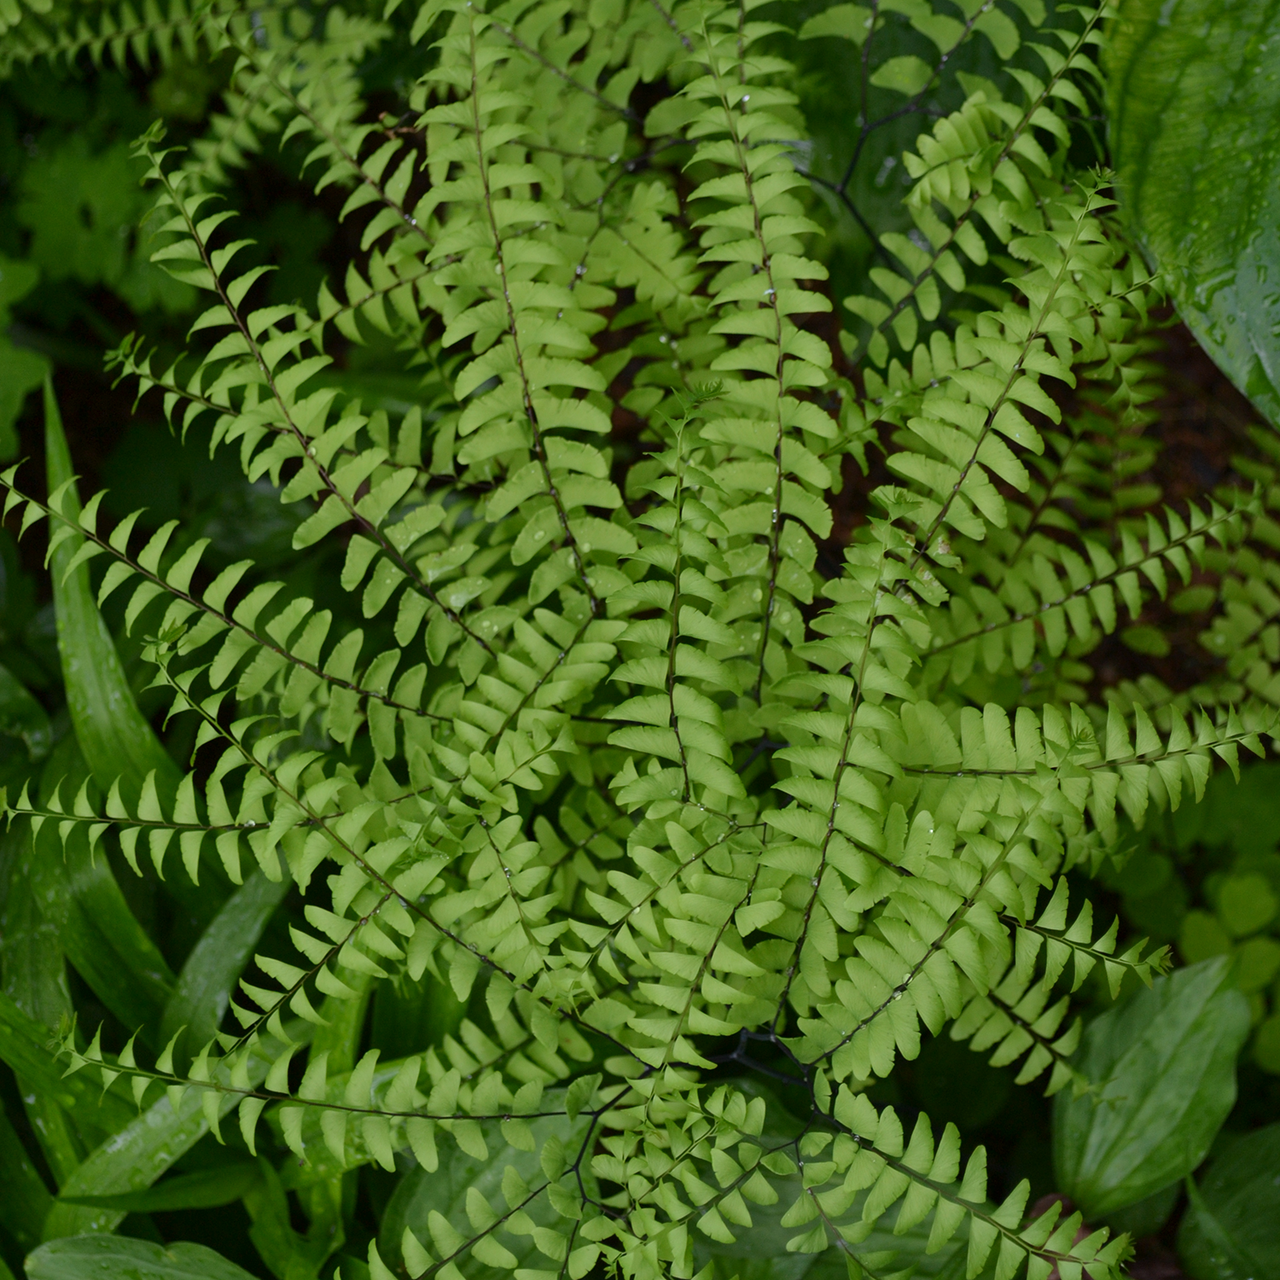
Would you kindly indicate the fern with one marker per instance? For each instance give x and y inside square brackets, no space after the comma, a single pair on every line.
[595,729]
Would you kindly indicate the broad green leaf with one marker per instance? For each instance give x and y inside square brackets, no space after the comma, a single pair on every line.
[208,1189]
[24,1048]
[408,1017]
[1232,1229]
[1164,1065]
[115,739]
[204,986]
[35,975]
[77,893]
[131,1160]
[24,1199]
[286,1251]
[21,716]
[35,979]
[1194,103]
[117,1258]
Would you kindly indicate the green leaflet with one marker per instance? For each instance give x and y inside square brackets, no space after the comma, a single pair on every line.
[212,969]
[35,978]
[1164,1065]
[440,1209]
[1233,1227]
[113,1258]
[1191,90]
[763,1254]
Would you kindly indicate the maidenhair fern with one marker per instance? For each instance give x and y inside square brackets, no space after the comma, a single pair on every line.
[599,730]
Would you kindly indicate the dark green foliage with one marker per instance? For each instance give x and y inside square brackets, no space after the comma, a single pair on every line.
[1193,94]
[1232,1227]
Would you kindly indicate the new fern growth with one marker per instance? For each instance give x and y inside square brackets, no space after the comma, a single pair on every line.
[599,733]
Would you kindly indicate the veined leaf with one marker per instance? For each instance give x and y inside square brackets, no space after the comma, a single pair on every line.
[77,893]
[1194,107]
[1232,1228]
[137,1155]
[117,1258]
[26,1200]
[208,1189]
[1164,1063]
[115,739]
[24,1048]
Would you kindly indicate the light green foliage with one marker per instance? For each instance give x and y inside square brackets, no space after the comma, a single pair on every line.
[596,746]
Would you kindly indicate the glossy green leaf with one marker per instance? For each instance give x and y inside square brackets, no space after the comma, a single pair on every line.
[208,1189]
[24,1049]
[114,737]
[1232,1229]
[285,1251]
[21,716]
[117,1258]
[1164,1063]
[24,1199]
[131,1160]
[77,893]
[204,986]
[35,979]
[1194,102]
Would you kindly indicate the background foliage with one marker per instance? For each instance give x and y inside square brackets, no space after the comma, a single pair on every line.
[939,224]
